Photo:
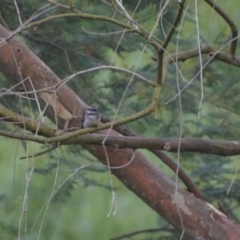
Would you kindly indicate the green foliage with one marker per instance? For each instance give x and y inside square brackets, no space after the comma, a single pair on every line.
[69,45]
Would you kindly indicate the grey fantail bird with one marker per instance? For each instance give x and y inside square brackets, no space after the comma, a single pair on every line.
[91,117]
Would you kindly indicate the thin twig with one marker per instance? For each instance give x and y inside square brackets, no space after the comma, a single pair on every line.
[174,25]
[119,3]
[18,12]
[40,153]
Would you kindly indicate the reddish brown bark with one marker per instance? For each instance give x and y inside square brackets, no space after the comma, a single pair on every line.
[199,219]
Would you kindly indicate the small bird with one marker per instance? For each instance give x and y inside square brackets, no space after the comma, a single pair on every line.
[91,117]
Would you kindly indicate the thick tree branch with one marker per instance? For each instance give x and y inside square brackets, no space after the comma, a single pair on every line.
[222,148]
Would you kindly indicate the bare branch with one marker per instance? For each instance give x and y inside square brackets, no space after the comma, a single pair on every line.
[174,25]
[119,3]
[231,24]
[117,69]
[221,148]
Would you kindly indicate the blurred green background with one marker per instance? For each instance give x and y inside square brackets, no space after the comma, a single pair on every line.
[80,208]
